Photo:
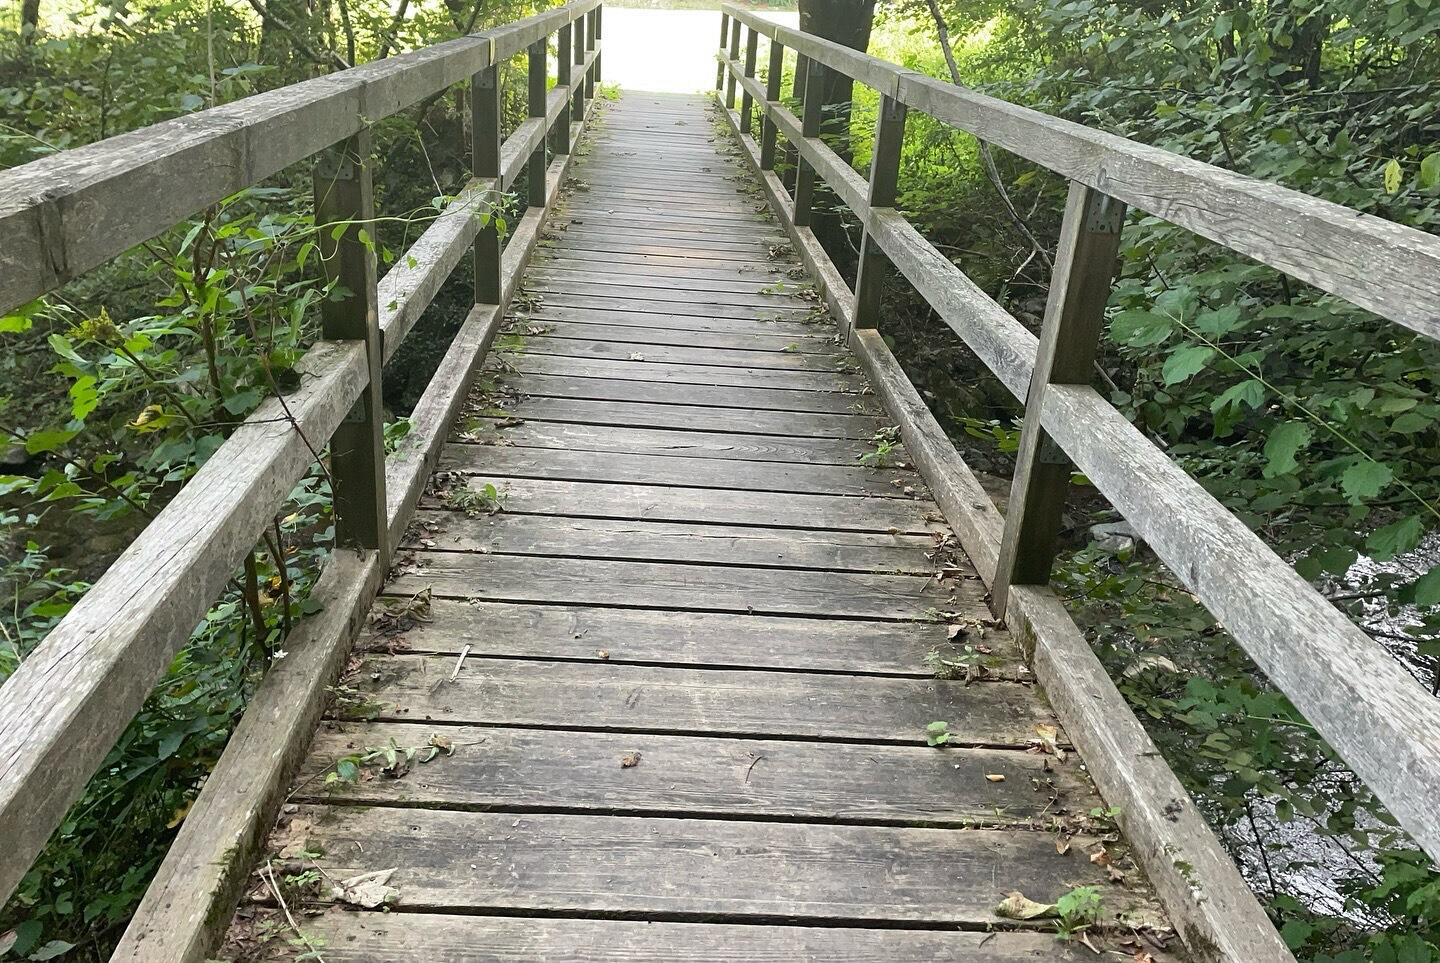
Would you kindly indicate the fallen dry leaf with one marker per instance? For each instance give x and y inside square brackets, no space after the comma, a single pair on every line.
[630,760]
[1017,907]
[995,777]
[367,891]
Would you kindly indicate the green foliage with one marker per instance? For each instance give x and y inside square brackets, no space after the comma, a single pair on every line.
[1311,420]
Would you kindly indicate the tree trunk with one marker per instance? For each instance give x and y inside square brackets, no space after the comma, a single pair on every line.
[845,22]
[29,20]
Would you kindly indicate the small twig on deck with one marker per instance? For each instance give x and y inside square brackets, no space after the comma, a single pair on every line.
[455,672]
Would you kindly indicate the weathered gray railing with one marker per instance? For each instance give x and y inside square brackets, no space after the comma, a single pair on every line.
[1376,716]
[67,703]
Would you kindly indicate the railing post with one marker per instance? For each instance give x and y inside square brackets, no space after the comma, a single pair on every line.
[884,182]
[577,46]
[564,74]
[809,127]
[589,48]
[485,163]
[344,195]
[747,103]
[1074,321]
[599,39]
[539,72]
[734,55]
[775,73]
[791,154]
[720,54]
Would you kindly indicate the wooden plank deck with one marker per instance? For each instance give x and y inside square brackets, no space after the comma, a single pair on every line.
[681,679]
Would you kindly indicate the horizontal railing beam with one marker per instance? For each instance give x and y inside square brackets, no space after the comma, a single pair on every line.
[67,703]
[65,214]
[1375,264]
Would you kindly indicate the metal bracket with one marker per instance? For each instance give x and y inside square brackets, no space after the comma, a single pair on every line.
[336,164]
[1104,215]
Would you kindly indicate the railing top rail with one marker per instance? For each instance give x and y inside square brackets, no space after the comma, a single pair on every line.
[1375,264]
[70,212]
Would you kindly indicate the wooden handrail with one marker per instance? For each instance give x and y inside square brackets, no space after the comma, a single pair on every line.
[72,211]
[67,703]
[1377,717]
[1375,264]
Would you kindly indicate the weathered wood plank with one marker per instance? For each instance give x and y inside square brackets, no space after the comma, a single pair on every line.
[600,280]
[581,382]
[635,292]
[701,588]
[508,534]
[754,340]
[387,937]
[518,770]
[770,311]
[725,376]
[676,868]
[714,639]
[715,472]
[739,507]
[639,352]
[702,430]
[469,453]
[641,698]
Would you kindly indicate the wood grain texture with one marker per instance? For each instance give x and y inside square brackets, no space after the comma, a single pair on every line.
[536,496]
[487,432]
[532,378]
[732,702]
[845,387]
[693,587]
[701,639]
[712,470]
[678,868]
[517,770]
[384,938]
[685,430]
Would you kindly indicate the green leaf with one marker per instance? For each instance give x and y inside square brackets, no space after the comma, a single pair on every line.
[39,442]
[1140,329]
[1365,479]
[1427,588]
[1247,393]
[1430,171]
[1284,443]
[1396,538]
[1186,362]
[14,324]
[50,951]
[1393,176]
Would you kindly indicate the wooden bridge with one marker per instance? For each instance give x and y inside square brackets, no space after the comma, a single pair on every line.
[653,662]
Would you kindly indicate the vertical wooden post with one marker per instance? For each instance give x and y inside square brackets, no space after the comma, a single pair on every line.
[790,156]
[734,55]
[577,75]
[564,64]
[589,48]
[344,194]
[1074,322]
[720,54]
[775,73]
[539,72]
[485,163]
[884,181]
[809,127]
[599,30]
[747,103]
